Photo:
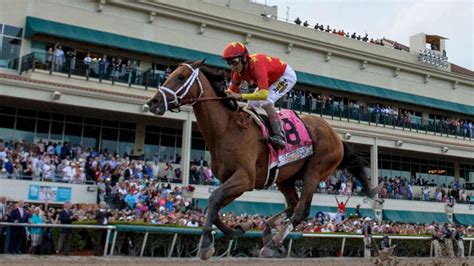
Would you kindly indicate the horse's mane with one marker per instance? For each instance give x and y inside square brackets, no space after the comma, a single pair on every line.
[217,79]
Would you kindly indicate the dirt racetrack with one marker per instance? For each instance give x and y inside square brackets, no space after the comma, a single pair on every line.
[118,260]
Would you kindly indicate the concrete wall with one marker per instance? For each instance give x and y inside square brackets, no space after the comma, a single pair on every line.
[18,190]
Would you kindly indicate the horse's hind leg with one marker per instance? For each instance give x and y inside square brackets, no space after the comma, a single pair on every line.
[289,191]
[314,171]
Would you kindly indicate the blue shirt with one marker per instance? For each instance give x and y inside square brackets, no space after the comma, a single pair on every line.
[36,219]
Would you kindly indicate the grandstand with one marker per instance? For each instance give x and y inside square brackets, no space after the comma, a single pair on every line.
[408,111]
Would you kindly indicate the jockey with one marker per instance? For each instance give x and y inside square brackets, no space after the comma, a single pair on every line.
[273,77]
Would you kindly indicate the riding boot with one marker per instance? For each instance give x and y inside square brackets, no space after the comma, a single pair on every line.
[278,138]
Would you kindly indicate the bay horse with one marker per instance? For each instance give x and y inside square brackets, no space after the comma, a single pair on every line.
[240,158]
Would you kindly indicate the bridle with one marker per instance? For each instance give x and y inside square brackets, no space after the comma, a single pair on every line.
[184,90]
[178,99]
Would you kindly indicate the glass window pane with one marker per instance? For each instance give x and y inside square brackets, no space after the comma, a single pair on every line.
[10,48]
[25,129]
[42,129]
[13,31]
[57,131]
[92,121]
[91,137]
[128,125]
[44,115]
[6,127]
[27,113]
[1,28]
[72,133]
[109,139]
[109,123]
[7,110]
[148,128]
[58,117]
[152,138]
[74,119]
[127,135]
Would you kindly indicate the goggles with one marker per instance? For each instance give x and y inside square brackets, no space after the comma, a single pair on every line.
[233,62]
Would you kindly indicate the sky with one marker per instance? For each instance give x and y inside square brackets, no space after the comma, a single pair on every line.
[393,19]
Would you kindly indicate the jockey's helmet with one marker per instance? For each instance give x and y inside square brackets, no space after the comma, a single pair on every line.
[234,50]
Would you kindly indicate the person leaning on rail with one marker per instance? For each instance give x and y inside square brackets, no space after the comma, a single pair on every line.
[273,77]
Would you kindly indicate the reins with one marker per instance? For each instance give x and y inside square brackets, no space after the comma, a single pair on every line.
[202,99]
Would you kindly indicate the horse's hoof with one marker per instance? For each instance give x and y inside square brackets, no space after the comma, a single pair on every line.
[266,253]
[206,253]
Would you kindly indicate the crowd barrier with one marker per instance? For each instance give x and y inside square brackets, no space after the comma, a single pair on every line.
[113,230]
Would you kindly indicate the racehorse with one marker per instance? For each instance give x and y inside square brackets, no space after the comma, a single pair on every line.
[240,158]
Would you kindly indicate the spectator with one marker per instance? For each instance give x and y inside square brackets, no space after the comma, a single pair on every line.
[448,239]
[306,24]
[101,218]
[341,208]
[36,233]
[49,58]
[367,231]
[436,235]
[58,57]
[17,233]
[87,64]
[66,216]
[459,237]
[297,21]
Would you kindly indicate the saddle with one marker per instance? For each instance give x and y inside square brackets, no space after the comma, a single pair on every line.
[299,144]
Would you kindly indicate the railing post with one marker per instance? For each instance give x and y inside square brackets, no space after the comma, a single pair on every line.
[342,246]
[199,246]
[289,248]
[106,242]
[470,248]
[172,245]
[143,244]
[113,242]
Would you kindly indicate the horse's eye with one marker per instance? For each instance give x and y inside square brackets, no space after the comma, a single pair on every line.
[180,77]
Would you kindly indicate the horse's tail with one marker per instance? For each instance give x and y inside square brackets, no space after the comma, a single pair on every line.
[356,166]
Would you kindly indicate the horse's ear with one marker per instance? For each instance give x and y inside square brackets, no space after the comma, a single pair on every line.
[198,63]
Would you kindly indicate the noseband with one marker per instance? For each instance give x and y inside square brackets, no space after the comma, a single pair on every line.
[184,89]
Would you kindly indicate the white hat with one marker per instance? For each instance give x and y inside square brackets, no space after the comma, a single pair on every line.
[367,219]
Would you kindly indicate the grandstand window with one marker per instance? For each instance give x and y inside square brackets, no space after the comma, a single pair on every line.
[73,133]
[109,139]
[44,115]
[10,46]
[57,130]
[74,119]
[25,129]
[109,123]
[126,141]
[7,124]
[7,110]
[58,117]
[91,136]
[92,121]
[26,113]
[466,171]
[42,129]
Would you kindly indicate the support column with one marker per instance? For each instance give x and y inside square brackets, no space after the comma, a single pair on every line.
[374,161]
[186,148]
[457,171]
[139,147]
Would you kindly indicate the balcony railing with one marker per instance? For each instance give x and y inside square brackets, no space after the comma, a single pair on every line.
[125,74]
[149,78]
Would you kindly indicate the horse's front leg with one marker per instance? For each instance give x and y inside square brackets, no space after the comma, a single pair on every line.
[235,186]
